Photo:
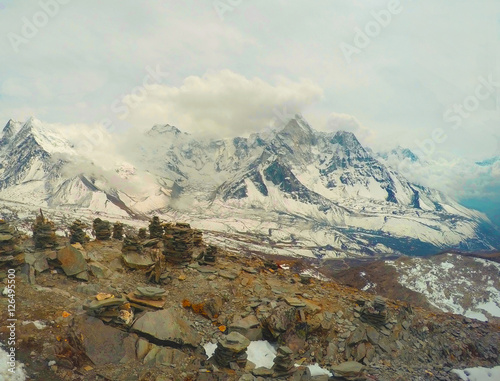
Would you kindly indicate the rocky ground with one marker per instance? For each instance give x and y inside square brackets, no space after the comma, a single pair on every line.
[88,313]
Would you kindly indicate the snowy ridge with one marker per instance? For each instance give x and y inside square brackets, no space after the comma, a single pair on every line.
[295,190]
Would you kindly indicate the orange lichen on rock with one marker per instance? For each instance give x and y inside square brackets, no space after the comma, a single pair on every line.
[199,309]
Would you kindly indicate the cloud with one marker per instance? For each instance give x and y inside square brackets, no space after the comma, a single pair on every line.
[346,122]
[223,103]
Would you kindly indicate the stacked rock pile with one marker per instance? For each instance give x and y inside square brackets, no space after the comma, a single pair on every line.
[102,229]
[197,238]
[152,297]
[10,253]
[232,349]
[375,313]
[178,243]
[142,233]
[283,362]
[118,231]
[210,254]
[44,233]
[270,264]
[77,232]
[131,244]
[109,308]
[155,228]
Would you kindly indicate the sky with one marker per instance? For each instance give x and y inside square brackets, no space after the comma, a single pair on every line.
[420,74]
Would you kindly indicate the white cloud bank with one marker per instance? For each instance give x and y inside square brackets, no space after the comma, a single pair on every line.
[224,103]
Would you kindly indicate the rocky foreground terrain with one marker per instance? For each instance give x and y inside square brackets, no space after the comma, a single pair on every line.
[147,306]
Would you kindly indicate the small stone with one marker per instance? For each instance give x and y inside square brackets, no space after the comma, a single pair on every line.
[227,275]
[295,302]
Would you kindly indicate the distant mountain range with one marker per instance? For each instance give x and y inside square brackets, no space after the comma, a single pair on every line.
[291,191]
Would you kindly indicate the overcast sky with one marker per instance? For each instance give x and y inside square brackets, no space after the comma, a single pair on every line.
[226,70]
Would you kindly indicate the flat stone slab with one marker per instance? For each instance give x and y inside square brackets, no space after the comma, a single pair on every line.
[72,260]
[228,275]
[158,304]
[347,369]
[235,342]
[295,302]
[137,261]
[250,321]
[262,372]
[149,292]
[167,326]
[206,270]
[5,237]
[111,302]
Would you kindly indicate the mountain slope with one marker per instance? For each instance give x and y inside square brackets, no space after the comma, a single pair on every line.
[293,191]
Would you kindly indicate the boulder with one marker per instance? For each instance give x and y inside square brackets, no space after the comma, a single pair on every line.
[72,260]
[101,343]
[348,369]
[167,326]
[248,327]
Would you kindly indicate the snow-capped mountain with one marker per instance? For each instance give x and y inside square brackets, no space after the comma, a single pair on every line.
[32,162]
[292,191]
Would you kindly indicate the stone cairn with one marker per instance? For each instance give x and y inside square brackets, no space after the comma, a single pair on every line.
[210,254]
[102,229]
[375,313]
[77,232]
[232,349]
[118,231]
[197,238]
[284,364]
[142,233]
[131,243]
[44,233]
[109,308]
[155,228]
[178,243]
[10,253]
[270,264]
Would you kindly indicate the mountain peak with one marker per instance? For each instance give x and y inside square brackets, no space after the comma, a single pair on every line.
[298,130]
[11,128]
[48,139]
[161,129]
[346,139]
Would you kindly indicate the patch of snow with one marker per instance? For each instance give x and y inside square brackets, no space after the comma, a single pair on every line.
[490,307]
[475,315]
[261,353]
[38,324]
[314,274]
[210,349]
[478,374]
[316,370]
